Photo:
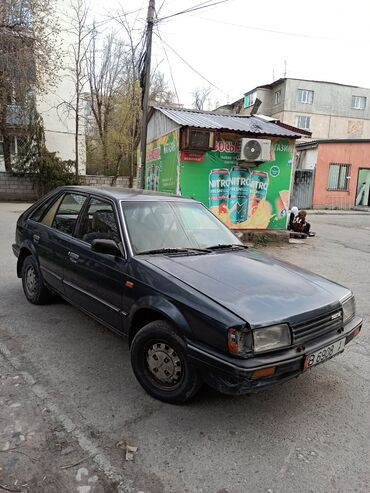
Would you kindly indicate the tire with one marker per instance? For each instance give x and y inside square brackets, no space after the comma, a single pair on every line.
[174,380]
[33,285]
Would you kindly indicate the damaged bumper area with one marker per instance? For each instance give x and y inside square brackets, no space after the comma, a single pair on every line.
[243,376]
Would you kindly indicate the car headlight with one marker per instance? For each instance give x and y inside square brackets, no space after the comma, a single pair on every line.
[269,338]
[349,309]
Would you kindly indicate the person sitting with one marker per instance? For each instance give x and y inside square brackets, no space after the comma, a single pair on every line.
[299,224]
[292,215]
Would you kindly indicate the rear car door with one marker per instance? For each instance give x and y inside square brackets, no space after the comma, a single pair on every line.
[93,280]
[52,233]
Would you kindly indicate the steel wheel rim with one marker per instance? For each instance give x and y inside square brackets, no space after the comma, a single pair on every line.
[31,280]
[164,364]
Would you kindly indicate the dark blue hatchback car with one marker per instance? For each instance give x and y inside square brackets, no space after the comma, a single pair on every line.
[195,303]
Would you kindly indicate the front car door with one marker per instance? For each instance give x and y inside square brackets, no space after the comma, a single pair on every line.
[93,280]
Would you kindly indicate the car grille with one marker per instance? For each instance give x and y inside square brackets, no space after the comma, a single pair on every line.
[317,327]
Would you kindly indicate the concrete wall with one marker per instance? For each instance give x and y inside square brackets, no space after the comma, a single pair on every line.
[356,154]
[330,127]
[20,189]
[16,188]
[329,99]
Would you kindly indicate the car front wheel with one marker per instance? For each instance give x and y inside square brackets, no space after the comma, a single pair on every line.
[33,286]
[160,363]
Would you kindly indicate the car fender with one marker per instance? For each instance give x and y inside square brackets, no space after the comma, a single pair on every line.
[163,307]
[29,246]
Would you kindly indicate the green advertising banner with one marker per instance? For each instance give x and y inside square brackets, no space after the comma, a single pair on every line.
[162,159]
[243,198]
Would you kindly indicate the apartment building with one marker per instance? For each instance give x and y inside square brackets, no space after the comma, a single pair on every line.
[53,104]
[327,109]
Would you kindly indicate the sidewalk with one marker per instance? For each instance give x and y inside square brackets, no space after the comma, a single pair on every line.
[337,212]
[37,455]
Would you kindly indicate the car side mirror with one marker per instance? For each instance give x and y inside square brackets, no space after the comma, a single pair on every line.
[108,247]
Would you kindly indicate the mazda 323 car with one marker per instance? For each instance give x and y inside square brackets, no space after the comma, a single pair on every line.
[195,304]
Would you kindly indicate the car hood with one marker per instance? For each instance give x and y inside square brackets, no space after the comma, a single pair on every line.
[259,289]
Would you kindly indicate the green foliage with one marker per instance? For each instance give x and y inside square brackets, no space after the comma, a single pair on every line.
[260,240]
[44,167]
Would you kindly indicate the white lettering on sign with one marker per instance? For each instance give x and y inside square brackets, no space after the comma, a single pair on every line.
[283,147]
[227,146]
[170,147]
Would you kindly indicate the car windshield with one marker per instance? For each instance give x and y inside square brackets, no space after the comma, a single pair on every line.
[174,225]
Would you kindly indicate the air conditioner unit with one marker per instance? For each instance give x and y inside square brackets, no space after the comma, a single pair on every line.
[198,140]
[253,151]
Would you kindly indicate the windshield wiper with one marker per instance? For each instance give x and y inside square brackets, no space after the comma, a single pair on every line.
[221,246]
[173,250]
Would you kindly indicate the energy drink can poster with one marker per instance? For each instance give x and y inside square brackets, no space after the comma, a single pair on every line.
[243,198]
[162,162]
[239,192]
[218,190]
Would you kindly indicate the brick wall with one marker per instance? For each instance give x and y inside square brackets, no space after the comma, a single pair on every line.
[19,188]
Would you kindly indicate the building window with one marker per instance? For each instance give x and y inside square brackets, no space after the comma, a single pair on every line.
[277,97]
[358,102]
[302,121]
[250,99]
[305,96]
[338,176]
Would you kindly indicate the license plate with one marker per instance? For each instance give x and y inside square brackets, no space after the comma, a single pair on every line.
[324,354]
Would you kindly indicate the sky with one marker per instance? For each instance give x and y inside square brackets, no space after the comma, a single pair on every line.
[238,45]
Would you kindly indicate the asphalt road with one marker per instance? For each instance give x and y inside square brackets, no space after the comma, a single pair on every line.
[310,434]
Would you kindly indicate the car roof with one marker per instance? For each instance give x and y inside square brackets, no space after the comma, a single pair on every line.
[129,194]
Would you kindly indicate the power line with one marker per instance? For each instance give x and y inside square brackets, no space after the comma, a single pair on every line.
[192,68]
[169,65]
[273,31]
[199,6]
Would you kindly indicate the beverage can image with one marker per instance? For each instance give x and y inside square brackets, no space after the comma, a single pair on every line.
[258,190]
[219,190]
[238,194]
[152,179]
[148,178]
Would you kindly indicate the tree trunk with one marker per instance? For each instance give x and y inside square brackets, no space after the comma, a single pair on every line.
[105,155]
[77,125]
[6,137]
[7,154]
[131,171]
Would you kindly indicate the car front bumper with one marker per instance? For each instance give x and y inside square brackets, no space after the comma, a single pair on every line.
[235,376]
[15,248]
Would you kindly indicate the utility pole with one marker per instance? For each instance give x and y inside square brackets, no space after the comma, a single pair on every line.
[148,54]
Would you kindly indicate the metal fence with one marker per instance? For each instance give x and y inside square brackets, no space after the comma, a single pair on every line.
[302,189]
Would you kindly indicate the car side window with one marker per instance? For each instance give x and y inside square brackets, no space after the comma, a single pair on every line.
[99,222]
[40,212]
[67,214]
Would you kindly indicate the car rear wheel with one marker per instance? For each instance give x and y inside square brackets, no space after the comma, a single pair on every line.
[33,286]
[160,363]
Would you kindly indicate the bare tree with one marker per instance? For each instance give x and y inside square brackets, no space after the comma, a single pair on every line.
[120,109]
[201,97]
[105,74]
[28,62]
[80,41]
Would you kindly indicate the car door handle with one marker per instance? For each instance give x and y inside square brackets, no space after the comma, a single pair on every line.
[36,238]
[73,257]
